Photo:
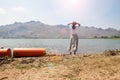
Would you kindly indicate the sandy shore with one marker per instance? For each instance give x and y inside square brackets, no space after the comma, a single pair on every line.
[67,67]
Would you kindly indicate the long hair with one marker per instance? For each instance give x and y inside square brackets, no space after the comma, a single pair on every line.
[73,26]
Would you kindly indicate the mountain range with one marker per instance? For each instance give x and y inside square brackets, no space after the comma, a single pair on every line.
[37,29]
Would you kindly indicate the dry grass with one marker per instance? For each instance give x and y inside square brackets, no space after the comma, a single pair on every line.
[69,67]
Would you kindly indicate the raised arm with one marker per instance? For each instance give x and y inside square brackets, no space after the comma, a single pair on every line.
[74,23]
[78,24]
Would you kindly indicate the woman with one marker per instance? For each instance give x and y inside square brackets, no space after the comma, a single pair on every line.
[73,47]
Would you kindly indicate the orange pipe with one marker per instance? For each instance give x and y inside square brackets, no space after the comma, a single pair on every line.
[29,52]
[5,52]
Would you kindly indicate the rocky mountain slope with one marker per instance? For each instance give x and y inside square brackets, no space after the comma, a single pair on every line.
[37,29]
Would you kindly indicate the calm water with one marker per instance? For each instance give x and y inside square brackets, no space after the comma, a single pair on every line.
[61,45]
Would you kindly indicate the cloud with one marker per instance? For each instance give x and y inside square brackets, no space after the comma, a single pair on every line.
[2,11]
[19,9]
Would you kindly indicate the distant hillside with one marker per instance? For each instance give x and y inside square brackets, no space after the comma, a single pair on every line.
[37,29]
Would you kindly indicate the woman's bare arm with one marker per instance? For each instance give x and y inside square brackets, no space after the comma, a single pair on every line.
[74,23]
[78,24]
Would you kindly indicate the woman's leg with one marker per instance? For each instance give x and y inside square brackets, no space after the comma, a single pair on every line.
[76,44]
[70,45]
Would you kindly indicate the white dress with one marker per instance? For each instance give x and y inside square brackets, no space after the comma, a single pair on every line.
[73,47]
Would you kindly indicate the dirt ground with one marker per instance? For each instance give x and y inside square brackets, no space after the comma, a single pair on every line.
[69,67]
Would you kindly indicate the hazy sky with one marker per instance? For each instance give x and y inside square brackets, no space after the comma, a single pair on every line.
[98,13]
